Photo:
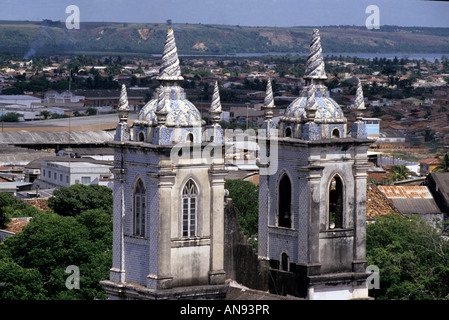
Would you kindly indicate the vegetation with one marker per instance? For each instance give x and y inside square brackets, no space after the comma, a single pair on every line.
[78,198]
[412,256]
[10,117]
[11,207]
[443,166]
[29,38]
[398,172]
[47,246]
[245,197]
[33,262]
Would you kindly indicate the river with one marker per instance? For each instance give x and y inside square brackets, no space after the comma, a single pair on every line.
[412,56]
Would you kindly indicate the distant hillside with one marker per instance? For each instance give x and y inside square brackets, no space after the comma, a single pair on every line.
[29,38]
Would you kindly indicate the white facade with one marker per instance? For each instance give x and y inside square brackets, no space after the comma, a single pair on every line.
[63,97]
[20,100]
[65,174]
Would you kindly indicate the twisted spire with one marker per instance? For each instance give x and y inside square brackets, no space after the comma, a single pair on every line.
[315,62]
[161,108]
[170,69]
[268,103]
[311,103]
[123,107]
[359,102]
[215,107]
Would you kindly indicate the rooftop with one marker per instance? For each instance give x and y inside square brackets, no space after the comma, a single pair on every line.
[377,204]
[411,199]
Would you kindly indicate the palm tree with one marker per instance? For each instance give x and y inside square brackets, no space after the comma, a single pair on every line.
[398,172]
[443,166]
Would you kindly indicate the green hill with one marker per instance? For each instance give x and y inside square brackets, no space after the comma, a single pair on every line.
[47,37]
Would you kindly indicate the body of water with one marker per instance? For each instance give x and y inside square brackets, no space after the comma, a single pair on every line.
[413,56]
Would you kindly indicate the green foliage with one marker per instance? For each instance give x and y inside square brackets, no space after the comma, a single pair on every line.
[50,243]
[412,256]
[75,199]
[10,207]
[398,172]
[245,196]
[20,283]
[443,166]
[218,39]
[10,117]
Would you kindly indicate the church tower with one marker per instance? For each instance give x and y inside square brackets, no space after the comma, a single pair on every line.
[312,210]
[168,233]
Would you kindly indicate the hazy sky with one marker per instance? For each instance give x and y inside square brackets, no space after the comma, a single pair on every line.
[282,13]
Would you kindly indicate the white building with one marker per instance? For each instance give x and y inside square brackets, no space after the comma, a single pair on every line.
[53,96]
[23,101]
[64,174]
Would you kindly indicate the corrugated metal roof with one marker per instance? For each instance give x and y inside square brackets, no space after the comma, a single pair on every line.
[54,137]
[406,192]
[422,206]
[411,199]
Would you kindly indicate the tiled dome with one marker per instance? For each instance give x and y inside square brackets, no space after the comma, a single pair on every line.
[327,109]
[181,112]
[170,99]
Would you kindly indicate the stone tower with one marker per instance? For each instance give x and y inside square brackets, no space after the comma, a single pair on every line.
[168,197]
[312,209]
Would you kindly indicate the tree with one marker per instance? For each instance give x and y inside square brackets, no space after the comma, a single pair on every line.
[398,172]
[412,257]
[443,166]
[10,117]
[50,243]
[11,206]
[245,197]
[91,111]
[429,134]
[20,283]
[73,200]
[45,114]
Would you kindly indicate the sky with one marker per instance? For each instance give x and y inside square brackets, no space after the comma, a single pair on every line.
[280,13]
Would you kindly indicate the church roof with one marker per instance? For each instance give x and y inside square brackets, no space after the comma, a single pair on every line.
[327,109]
[170,99]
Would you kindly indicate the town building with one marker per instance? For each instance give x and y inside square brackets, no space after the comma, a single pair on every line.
[414,200]
[58,174]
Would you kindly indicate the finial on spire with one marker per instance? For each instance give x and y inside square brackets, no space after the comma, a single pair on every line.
[170,69]
[359,102]
[311,103]
[315,63]
[215,107]
[268,103]
[161,108]
[123,107]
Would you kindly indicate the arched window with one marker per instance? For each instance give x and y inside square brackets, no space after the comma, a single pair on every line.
[189,209]
[335,133]
[189,137]
[141,136]
[285,261]
[288,132]
[139,209]
[284,202]
[335,214]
